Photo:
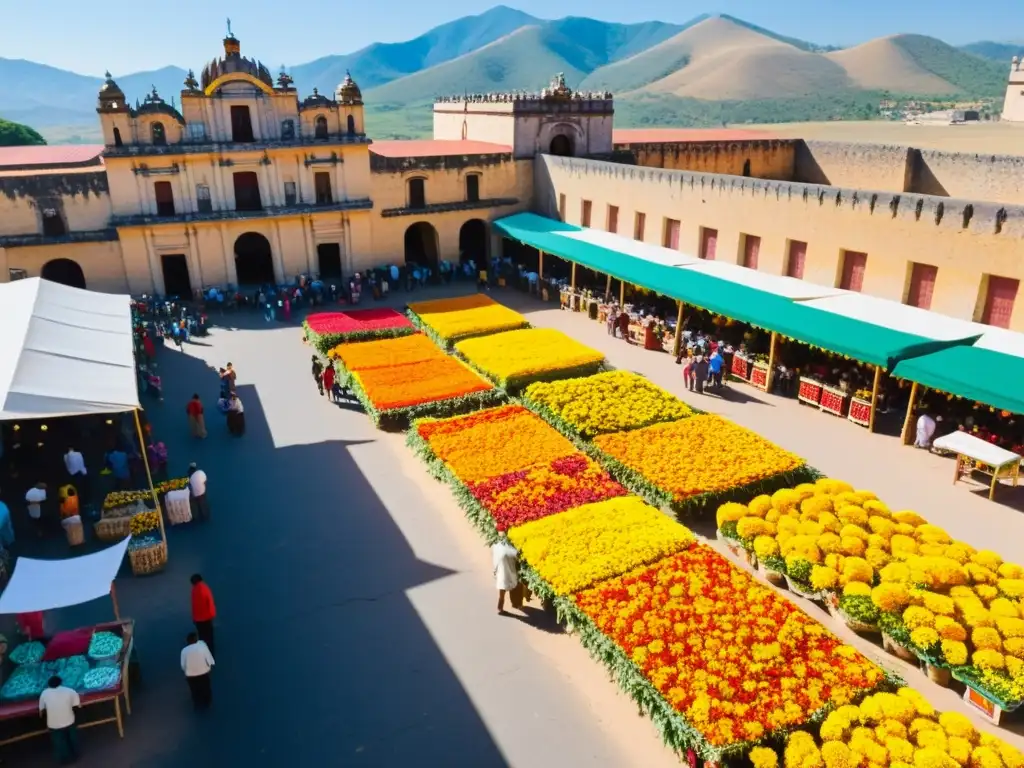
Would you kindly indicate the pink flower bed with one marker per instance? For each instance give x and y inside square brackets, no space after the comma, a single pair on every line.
[328,329]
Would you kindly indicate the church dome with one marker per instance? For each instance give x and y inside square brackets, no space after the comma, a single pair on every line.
[348,92]
[111,96]
[233,62]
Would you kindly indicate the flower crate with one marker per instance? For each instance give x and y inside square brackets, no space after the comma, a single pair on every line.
[741,367]
[834,401]
[810,391]
[148,560]
[860,411]
[759,376]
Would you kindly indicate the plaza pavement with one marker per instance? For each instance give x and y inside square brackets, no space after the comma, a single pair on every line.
[356,620]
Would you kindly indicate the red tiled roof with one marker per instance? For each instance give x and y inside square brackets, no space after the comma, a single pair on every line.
[436,148]
[25,158]
[670,135]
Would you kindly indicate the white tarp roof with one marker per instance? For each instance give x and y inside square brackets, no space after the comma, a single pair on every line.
[780,285]
[45,585]
[653,253]
[896,316]
[64,351]
[1001,340]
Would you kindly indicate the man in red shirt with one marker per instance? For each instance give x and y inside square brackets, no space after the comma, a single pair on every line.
[203,610]
[328,376]
[196,419]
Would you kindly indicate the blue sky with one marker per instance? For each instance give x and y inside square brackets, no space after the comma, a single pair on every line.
[88,37]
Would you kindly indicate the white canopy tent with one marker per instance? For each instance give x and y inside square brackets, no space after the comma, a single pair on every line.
[614,242]
[45,585]
[780,285]
[64,351]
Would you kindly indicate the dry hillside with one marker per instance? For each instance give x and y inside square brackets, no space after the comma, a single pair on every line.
[882,64]
[720,60]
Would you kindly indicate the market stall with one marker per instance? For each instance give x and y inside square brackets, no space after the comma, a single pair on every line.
[93,660]
[975,455]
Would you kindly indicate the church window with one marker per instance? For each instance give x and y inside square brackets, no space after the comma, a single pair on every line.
[164,198]
[290,198]
[241,124]
[322,185]
[321,127]
[287,130]
[351,125]
[473,187]
[203,200]
[158,134]
[417,193]
[117,138]
[53,223]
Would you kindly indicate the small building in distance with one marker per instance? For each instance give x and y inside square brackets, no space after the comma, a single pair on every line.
[1013,105]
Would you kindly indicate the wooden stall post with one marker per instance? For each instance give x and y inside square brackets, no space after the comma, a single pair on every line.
[608,288]
[622,294]
[113,599]
[676,345]
[770,377]
[149,474]
[874,397]
[908,422]
[573,286]
[540,266]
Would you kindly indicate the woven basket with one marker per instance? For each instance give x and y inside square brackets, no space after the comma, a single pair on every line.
[798,590]
[75,533]
[113,528]
[938,675]
[148,560]
[896,649]
[778,578]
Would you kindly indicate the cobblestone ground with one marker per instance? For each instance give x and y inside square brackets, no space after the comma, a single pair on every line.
[356,622]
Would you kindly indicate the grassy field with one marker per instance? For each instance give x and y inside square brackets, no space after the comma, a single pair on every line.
[996,138]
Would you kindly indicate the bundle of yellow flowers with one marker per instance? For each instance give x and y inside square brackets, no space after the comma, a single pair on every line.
[614,401]
[448,320]
[693,462]
[517,358]
[892,729]
[144,522]
[575,549]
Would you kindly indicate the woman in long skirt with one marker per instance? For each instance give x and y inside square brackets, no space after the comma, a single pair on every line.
[236,417]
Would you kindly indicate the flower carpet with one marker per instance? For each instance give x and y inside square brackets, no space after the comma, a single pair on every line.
[326,330]
[386,353]
[698,462]
[517,358]
[449,320]
[614,401]
[736,660]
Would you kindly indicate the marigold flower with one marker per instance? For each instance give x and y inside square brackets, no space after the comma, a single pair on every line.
[909,518]
[852,514]
[950,629]
[857,589]
[466,316]
[986,592]
[829,543]
[763,757]
[987,559]
[924,637]
[891,598]
[1010,628]
[986,638]
[1003,608]
[939,604]
[877,558]
[895,573]
[988,659]
[752,527]
[954,652]
[959,551]
[823,578]
[837,755]
[765,546]
[857,569]
[1014,646]
[1013,588]
[730,512]
[1010,571]
[760,505]
[931,757]
[956,724]
[853,546]
[959,749]
[985,757]
[515,358]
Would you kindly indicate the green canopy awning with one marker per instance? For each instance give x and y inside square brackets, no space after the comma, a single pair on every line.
[978,374]
[867,342]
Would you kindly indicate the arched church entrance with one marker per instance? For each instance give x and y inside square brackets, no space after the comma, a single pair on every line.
[421,245]
[561,146]
[65,272]
[254,261]
[473,241]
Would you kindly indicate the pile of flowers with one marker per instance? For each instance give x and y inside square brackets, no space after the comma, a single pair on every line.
[176,484]
[957,608]
[517,358]
[700,461]
[544,489]
[891,729]
[614,401]
[491,443]
[116,499]
[328,329]
[737,661]
[448,320]
[386,353]
[144,522]
[442,386]
[577,548]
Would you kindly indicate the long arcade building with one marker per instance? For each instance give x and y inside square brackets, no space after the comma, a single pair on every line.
[246,183]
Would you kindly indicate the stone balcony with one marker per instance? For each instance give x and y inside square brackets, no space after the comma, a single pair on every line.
[268,212]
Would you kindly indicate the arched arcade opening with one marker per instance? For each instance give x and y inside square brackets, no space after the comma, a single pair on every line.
[561,146]
[65,272]
[473,241]
[421,245]
[254,260]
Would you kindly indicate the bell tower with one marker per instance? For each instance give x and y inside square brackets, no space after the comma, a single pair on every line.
[1013,106]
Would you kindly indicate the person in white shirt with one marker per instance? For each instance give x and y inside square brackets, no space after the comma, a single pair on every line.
[34,499]
[196,663]
[925,430]
[504,558]
[75,464]
[57,704]
[197,485]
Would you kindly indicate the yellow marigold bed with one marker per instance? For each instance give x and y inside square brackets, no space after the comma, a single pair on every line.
[517,358]
[614,401]
[575,549]
[699,461]
[449,320]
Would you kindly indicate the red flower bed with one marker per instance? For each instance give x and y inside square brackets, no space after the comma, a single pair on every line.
[328,329]
[545,489]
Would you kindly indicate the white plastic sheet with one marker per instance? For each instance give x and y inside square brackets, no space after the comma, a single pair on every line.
[45,585]
[975,448]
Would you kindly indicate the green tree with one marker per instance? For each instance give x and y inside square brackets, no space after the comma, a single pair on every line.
[18,135]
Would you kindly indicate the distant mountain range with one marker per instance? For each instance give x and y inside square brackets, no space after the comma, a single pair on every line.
[709,64]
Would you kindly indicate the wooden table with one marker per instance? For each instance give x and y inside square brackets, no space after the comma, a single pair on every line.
[971,451]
